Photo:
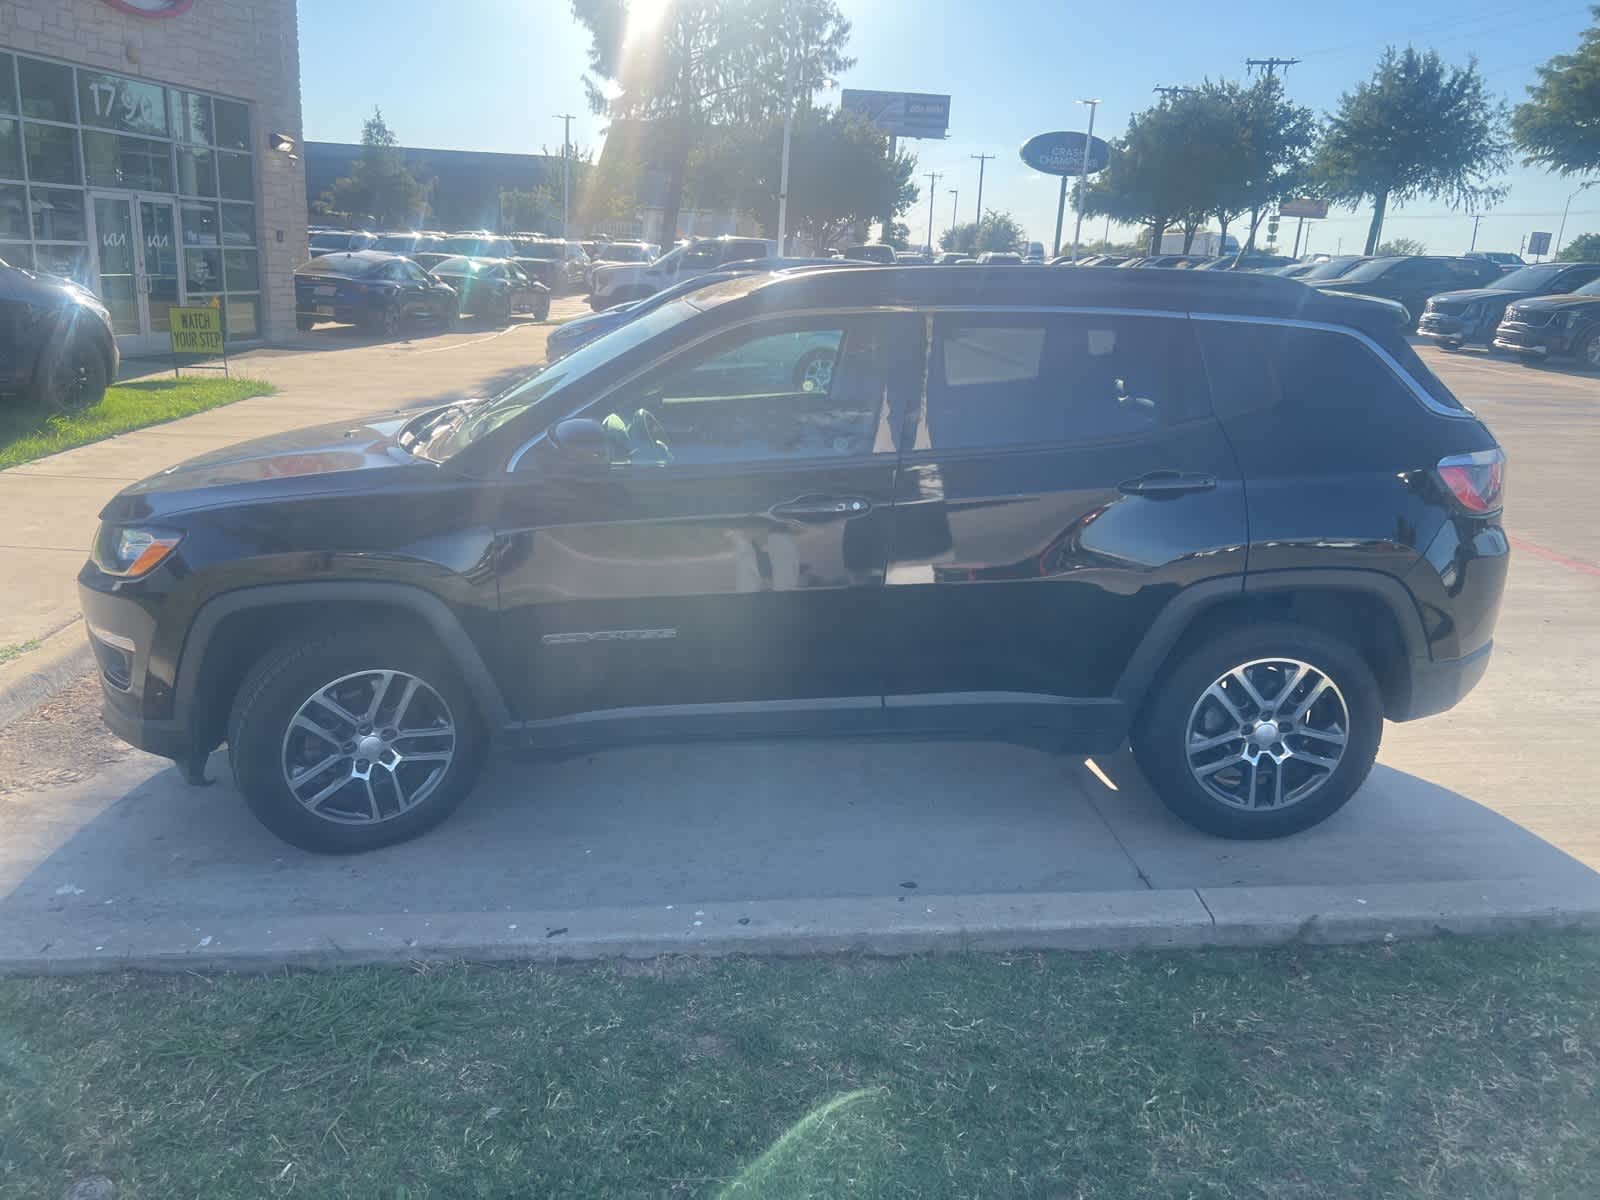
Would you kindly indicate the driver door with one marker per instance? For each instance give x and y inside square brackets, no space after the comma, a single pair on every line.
[733,551]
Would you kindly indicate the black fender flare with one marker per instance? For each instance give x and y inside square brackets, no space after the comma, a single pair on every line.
[433,611]
[1191,604]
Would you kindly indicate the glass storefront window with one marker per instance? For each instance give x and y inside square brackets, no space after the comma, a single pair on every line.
[202,270]
[241,317]
[8,84]
[236,177]
[13,212]
[197,172]
[126,105]
[14,255]
[70,262]
[52,153]
[46,90]
[10,149]
[242,270]
[232,125]
[200,225]
[191,117]
[58,215]
[238,225]
[115,160]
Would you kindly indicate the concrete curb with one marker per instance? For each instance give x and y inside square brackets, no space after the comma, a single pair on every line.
[35,676]
[880,925]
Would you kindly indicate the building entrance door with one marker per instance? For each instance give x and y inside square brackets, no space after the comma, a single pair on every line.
[136,247]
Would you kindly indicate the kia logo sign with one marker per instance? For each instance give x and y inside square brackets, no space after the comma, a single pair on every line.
[1062,153]
[151,8]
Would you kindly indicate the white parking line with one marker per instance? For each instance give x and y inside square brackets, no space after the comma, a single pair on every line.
[478,341]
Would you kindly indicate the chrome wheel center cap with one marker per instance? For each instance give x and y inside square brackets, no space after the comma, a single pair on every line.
[370,747]
[1265,734]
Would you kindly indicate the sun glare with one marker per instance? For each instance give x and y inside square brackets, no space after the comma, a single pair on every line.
[644,18]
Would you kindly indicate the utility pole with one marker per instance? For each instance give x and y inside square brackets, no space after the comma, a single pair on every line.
[1170,92]
[1561,232]
[955,208]
[1083,182]
[566,120]
[933,187]
[983,161]
[1270,65]
[1476,220]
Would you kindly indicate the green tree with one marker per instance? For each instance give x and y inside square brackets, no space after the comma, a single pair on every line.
[1417,129]
[1400,247]
[1160,170]
[534,210]
[898,235]
[1558,126]
[1583,248]
[380,189]
[997,231]
[690,65]
[1260,147]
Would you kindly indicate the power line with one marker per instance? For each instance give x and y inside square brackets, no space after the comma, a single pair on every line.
[1172,91]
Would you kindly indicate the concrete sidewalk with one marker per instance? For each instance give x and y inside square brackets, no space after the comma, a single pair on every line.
[52,505]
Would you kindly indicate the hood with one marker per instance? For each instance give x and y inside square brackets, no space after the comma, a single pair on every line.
[620,272]
[321,459]
[1548,303]
[1473,295]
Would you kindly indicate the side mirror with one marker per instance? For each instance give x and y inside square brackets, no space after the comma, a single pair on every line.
[582,441]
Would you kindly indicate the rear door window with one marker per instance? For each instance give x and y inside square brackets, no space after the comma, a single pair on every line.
[1004,380]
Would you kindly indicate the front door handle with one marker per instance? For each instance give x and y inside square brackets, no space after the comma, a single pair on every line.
[823,508]
[1167,483]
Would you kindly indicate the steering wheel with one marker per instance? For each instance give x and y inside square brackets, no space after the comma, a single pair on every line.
[647,438]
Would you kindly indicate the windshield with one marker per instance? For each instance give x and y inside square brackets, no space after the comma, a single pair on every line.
[330,241]
[396,242]
[1334,268]
[1589,289]
[1376,269]
[555,378]
[617,253]
[1528,279]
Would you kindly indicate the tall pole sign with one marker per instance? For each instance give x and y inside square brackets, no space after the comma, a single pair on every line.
[1065,154]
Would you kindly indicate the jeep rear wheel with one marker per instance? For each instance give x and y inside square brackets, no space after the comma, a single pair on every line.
[1261,732]
[354,741]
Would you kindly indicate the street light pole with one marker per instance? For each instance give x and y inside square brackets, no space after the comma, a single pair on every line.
[933,187]
[566,120]
[1562,232]
[783,174]
[1476,221]
[1083,178]
[983,161]
[955,208]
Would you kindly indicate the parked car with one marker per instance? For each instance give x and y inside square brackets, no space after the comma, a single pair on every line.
[669,534]
[877,252]
[913,258]
[331,241]
[1503,259]
[1177,261]
[409,244]
[1107,260]
[1410,280]
[477,245]
[429,259]
[383,293]
[1554,327]
[1333,268]
[620,282]
[528,295]
[484,287]
[1033,254]
[1452,319]
[999,258]
[623,252]
[1245,262]
[561,266]
[57,349]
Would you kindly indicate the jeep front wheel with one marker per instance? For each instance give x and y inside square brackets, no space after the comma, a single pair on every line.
[1261,732]
[353,742]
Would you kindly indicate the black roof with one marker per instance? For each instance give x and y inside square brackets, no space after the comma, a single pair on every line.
[347,260]
[1231,293]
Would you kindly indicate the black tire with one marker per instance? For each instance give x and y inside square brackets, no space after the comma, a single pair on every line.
[447,317]
[1588,356]
[541,308]
[1162,729]
[285,678]
[1451,347]
[74,379]
[388,321]
[304,324]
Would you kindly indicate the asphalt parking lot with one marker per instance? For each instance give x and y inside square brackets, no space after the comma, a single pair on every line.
[1487,807]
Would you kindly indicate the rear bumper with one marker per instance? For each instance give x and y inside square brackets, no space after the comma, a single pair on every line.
[1438,685]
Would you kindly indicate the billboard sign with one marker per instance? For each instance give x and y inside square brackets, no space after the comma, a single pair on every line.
[1063,153]
[900,114]
[1312,210]
[1538,244]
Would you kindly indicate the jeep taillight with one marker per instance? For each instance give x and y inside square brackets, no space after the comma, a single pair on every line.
[1476,481]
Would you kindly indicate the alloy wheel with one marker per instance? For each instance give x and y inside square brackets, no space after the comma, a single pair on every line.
[368,747]
[70,387]
[1267,734]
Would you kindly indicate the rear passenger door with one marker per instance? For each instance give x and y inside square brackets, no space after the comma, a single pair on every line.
[1063,480]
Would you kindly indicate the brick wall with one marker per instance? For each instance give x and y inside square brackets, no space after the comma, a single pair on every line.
[244,49]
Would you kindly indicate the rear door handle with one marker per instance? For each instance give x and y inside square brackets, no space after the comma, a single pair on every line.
[823,508]
[1167,483]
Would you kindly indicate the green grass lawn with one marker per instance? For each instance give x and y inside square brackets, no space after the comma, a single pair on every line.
[1449,1068]
[27,434]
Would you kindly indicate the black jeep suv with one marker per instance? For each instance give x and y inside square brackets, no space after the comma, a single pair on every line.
[1225,516]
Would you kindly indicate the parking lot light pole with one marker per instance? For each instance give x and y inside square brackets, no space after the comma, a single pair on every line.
[955,206]
[783,169]
[933,188]
[566,184]
[1561,231]
[1083,177]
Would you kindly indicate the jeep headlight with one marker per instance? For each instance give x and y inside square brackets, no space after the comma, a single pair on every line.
[133,550]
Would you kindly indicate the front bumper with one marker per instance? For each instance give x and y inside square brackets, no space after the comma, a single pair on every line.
[1440,327]
[121,632]
[1538,342]
[1438,685]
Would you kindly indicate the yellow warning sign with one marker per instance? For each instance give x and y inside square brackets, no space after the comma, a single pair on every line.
[195,330]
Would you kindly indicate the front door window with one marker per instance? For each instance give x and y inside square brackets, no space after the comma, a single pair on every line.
[119,284]
[136,240]
[158,236]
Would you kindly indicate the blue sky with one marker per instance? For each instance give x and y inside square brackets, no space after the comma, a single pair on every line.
[490,74]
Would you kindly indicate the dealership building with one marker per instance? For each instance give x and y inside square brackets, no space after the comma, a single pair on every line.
[151,150]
